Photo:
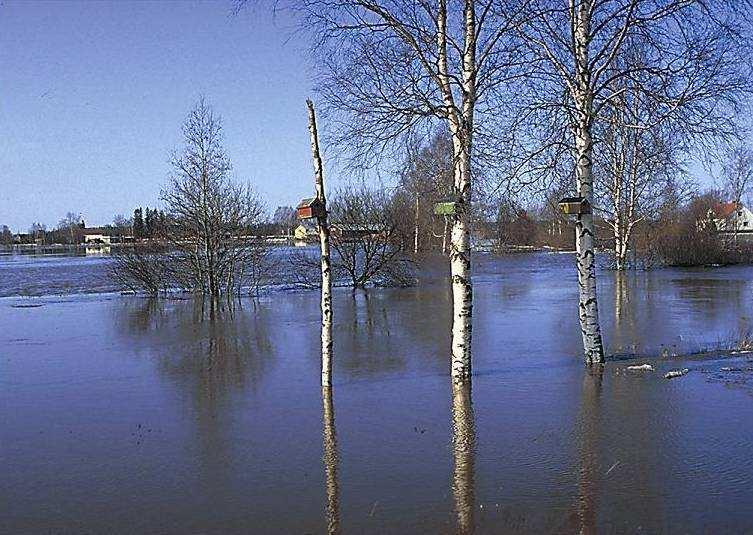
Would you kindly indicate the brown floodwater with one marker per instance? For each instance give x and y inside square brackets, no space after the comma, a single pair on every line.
[122,414]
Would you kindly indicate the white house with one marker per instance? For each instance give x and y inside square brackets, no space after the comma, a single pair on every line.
[95,235]
[732,218]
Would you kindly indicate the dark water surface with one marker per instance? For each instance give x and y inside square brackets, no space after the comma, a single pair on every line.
[126,415]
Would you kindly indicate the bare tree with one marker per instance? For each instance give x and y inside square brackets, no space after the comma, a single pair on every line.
[639,160]
[285,219]
[210,219]
[70,225]
[737,173]
[689,50]
[38,231]
[143,268]
[6,236]
[426,179]
[367,239]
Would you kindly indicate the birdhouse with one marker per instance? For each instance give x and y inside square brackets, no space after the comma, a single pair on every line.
[575,206]
[310,208]
[445,208]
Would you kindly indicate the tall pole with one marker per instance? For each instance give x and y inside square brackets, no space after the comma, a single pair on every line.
[324,244]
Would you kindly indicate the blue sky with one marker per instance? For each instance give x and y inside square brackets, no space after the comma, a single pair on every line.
[92,96]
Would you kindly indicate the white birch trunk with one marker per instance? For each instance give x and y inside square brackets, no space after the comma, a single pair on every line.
[416,229]
[461,128]
[584,226]
[462,289]
[323,226]
[331,460]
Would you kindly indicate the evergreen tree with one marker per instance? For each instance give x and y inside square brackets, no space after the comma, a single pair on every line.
[138,224]
[149,222]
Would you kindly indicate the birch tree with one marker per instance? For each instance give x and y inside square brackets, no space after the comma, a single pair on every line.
[323,227]
[634,168]
[574,48]
[390,68]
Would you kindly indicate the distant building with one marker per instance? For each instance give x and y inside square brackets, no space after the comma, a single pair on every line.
[732,218]
[305,233]
[104,235]
[353,232]
[96,235]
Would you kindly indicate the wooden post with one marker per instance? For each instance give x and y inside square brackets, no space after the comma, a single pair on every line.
[324,244]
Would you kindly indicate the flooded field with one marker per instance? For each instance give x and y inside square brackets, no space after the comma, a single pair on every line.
[123,414]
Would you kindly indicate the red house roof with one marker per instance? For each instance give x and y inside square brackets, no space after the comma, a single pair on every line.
[725,209]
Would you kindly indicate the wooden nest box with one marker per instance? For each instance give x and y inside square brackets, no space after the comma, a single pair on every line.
[575,206]
[445,208]
[310,209]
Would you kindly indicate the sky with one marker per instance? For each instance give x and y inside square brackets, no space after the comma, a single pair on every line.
[93,94]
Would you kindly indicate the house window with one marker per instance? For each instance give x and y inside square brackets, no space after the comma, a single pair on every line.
[745,223]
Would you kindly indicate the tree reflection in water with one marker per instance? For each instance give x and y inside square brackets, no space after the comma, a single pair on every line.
[464,451]
[331,461]
[583,518]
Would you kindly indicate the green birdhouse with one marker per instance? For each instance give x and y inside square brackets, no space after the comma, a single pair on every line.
[445,208]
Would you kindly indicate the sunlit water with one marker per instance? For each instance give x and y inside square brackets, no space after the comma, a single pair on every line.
[124,415]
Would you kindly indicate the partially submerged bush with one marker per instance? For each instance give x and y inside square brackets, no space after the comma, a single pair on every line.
[367,239]
[143,268]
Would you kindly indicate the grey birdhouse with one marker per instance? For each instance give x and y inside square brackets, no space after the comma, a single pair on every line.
[310,209]
[575,206]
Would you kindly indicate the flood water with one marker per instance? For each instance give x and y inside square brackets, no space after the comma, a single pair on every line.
[123,414]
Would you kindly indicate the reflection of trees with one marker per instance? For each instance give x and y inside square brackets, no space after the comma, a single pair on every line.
[331,461]
[210,355]
[625,333]
[464,450]
[213,350]
[583,518]
[373,343]
[709,296]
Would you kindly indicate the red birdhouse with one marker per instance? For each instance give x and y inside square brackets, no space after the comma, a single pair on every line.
[310,208]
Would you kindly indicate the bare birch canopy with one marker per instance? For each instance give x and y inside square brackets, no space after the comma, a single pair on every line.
[398,67]
[683,61]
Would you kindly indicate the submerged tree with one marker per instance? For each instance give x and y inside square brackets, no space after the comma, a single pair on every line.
[322,222]
[690,51]
[209,217]
[367,239]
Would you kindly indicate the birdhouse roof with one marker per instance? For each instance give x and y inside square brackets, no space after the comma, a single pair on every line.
[305,203]
[571,200]
[723,210]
